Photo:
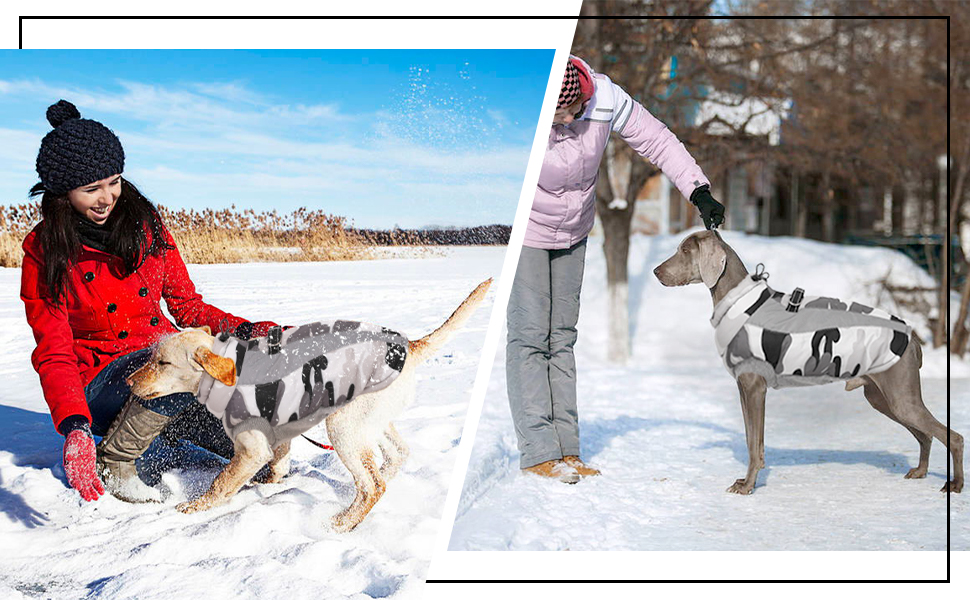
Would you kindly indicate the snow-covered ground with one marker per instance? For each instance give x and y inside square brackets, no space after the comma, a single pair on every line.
[270,541]
[667,432]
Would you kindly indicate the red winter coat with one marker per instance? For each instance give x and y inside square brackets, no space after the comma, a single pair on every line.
[105,316]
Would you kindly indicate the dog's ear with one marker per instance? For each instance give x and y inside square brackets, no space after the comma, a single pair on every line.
[206,329]
[219,367]
[711,259]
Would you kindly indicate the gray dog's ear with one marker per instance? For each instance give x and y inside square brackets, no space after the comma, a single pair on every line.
[711,259]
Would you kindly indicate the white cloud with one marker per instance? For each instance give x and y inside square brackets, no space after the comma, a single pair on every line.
[209,107]
[214,144]
[234,92]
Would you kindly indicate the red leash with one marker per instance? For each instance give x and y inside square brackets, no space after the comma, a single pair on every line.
[318,444]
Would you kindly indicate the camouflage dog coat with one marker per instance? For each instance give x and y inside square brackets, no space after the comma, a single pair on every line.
[758,330]
[289,381]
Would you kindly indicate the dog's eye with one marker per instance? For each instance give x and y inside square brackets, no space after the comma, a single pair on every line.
[162,363]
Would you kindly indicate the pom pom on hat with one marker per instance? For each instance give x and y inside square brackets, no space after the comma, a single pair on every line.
[60,112]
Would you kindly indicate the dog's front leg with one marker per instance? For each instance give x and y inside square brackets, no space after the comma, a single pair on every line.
[279,465]
[753,388]
[252,451]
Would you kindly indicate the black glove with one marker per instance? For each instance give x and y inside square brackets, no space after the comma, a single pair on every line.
[712,211]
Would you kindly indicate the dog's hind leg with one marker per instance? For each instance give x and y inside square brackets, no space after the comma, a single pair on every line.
[358,456]
[900,386]
[753,389]
[395,451]
[252,451]
[878,401]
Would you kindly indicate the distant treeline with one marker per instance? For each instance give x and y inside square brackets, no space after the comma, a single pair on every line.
[232,235]
[483,235]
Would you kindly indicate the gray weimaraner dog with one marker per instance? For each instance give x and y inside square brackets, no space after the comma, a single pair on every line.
[893,390]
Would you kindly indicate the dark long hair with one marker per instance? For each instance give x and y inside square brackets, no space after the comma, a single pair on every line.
[132,215]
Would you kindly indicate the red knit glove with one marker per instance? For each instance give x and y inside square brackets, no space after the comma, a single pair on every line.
[79,458]
[261,328]
[248,331]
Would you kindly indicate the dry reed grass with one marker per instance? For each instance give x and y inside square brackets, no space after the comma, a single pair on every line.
[232,235]
[15,223]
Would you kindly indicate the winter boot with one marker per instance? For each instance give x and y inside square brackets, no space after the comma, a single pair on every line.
[127,439]
[554,469]
[582,468]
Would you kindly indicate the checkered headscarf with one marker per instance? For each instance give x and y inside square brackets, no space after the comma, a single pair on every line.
[571,88]
[576,83]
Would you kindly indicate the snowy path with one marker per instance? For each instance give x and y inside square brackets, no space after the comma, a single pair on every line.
[667,432]
[270,541]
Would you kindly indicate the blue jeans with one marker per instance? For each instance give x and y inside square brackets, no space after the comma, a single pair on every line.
[107,393]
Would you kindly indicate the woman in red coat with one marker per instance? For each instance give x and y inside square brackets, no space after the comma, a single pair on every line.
[94,272]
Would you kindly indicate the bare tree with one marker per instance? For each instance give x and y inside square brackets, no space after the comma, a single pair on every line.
[634,52]
[960,160]
[859,97]
[868,91]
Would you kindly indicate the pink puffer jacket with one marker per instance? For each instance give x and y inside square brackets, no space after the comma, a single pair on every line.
[564,204]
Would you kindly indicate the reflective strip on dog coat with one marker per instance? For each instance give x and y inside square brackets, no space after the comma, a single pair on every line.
[826,340]
[286,386]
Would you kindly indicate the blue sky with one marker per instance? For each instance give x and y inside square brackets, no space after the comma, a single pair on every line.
[403,137]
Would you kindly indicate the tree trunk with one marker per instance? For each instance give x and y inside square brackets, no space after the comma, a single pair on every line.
[801,208]
[958,342]
[828,208]
[615,216]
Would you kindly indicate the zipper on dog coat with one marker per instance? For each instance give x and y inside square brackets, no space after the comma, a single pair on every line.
[289,381]
[820,341]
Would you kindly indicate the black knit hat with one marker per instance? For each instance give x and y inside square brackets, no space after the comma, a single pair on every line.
[77,152]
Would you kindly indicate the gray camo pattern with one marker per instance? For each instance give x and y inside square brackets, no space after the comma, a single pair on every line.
[286,389]
[826,340]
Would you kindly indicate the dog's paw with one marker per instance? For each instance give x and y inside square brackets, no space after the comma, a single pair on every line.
[915,473]
[952,486]
[342,522]
[268,478]
[191,507]
[741,486]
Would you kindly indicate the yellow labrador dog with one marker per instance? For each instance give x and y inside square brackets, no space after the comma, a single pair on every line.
[354,376]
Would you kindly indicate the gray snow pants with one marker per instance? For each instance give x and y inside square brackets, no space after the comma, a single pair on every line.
[539,364]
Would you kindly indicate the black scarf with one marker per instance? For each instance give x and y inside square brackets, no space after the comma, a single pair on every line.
[92,234]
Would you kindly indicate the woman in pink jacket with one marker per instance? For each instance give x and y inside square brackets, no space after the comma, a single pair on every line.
[544,306]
